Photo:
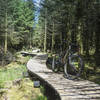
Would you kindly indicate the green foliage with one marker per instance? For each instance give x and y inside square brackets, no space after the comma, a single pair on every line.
[42,89]
[41,98]
[16,22]
[1,84]
[70,21]
[12,73]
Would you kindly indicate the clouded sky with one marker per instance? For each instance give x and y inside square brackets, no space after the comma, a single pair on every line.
[37,4]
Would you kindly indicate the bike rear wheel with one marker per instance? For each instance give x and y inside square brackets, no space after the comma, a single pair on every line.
[49,62]
[54,65]
[74,66]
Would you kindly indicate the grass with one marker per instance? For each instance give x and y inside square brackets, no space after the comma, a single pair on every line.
[2,84]
[15,69]
[12,73]
[90,73]
[41,98]
[23,91]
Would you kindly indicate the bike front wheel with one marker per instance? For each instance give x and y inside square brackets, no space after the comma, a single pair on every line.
[74,66]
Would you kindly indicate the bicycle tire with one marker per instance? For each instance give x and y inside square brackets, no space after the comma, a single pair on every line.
[54,67]
[49,63]
[70,69]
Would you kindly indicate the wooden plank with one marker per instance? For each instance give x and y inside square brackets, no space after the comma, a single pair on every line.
[67,89]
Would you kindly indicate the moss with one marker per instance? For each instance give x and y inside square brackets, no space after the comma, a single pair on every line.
[24,90]
[91,74]
[1,84]
[12,73]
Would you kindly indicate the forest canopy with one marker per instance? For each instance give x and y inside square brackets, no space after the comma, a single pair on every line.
[16,23]
[58,20]
[70,20]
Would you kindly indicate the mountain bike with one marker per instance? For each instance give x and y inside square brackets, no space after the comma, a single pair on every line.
[70,60]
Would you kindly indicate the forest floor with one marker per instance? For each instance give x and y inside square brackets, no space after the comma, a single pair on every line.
[91,74]
[13,84]
[91,71]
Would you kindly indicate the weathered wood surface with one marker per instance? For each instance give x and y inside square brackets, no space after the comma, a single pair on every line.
[67,89]
[27,53]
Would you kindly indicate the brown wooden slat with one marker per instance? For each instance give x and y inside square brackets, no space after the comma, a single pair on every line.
[67,89]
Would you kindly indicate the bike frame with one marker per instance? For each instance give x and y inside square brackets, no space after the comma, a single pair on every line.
[63,60]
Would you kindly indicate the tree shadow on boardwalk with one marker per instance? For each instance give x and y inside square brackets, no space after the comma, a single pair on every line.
[64,88]
[42,57]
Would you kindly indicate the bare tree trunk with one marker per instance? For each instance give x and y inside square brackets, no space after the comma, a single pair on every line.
[30,39]
[79,36]
[53,38]
[45,36]
[5,49]
[97,48]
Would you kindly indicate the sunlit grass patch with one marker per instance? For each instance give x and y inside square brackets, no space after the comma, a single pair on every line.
[10,74]
[15,69]
[91,74]
[25,91]
[95,78]
[40,98]
[2,85]
[18,87]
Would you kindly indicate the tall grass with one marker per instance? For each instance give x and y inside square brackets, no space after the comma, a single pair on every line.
[15,71]
[41,98]
[11,73]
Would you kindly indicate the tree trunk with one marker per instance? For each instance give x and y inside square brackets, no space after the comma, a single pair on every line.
[97,49]
[53,38]
[5,50]
[30,39]
[45,36]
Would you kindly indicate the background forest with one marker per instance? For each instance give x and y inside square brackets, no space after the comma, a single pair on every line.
[58,20]
[46,24]
[16,23]
[70,20]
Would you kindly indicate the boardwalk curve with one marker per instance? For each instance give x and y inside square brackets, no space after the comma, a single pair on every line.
[67,89]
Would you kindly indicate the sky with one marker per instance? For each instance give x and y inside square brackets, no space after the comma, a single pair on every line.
[37,4]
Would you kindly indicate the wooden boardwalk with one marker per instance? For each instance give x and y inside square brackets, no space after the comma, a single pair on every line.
[67,89]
